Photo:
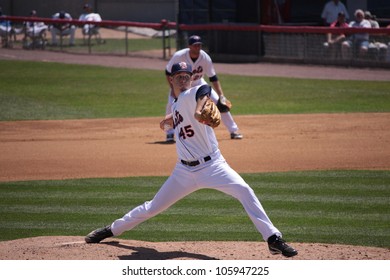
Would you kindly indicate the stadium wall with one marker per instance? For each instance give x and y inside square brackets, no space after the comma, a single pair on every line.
[129,10]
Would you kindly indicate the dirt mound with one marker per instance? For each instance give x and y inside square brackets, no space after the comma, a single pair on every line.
[74,248]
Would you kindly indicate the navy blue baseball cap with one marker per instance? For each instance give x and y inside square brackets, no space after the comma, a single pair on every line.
[181,67]
[194,39]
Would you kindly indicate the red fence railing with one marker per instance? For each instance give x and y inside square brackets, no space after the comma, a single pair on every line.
[305,48]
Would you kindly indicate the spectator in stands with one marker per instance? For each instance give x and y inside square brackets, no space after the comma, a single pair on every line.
[372,19]
[36,27]
[376,50]
[62,29]
[4,24]
[89,15]
[5,30]
[331,11]
[357,43]
[335,39]
[35,32]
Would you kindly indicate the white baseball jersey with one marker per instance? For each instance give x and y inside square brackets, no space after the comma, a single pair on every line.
[203,65]
[90,17]
[194,140]
[90,28]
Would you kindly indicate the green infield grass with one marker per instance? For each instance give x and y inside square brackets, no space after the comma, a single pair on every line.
[344,207]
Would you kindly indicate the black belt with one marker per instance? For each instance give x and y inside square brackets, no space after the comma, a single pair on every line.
[196,162]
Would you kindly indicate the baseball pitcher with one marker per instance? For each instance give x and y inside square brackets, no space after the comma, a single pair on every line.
[200,165]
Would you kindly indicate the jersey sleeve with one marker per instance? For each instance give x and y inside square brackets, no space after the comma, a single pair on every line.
[209,71]
[213,78]
[204,90]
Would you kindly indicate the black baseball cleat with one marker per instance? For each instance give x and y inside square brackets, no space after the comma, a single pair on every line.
[170,138]
[277,245]
[236,135]
[99,234]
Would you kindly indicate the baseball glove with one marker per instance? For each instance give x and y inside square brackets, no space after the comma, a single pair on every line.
[224,105]
[210,114]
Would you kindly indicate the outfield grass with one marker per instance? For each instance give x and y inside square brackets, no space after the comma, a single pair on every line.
[43,90]
[346,207]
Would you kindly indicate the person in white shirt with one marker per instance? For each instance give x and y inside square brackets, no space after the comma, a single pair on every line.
[372,19]
[357,42]
[34,28]
[35,32]
[376,49]
[5,30]
[331,10]
[89,15]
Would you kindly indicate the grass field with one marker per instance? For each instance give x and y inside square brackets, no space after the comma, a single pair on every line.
[39,90]
[350,207]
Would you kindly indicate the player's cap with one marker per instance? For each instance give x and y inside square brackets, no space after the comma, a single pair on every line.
[181,67]
[341,14]
[367,14]
[86,6]
[194,39]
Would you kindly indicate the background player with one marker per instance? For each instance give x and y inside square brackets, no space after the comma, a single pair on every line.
[198,158]
[201,64]
[62,29]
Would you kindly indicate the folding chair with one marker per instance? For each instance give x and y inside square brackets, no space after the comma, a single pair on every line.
[35,36]
[89,31]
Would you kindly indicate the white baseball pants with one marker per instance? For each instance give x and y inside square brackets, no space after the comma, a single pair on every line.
[214,174]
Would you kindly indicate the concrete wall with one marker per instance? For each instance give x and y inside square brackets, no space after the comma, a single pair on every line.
[139,10]
[353,5]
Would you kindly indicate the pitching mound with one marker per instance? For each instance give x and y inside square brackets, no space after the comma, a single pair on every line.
[74,248]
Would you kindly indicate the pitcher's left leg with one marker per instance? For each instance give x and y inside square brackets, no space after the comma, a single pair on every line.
[230,182]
